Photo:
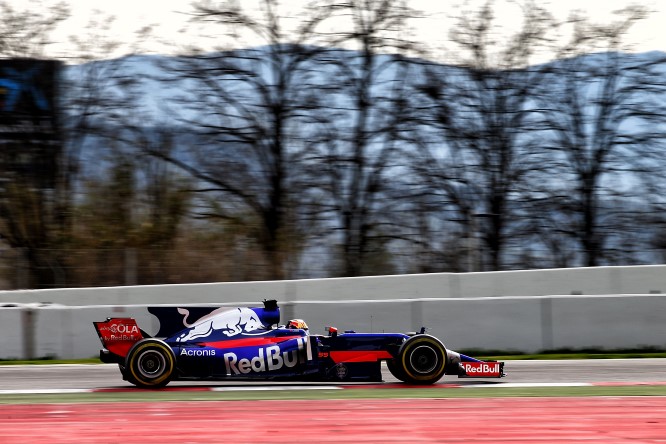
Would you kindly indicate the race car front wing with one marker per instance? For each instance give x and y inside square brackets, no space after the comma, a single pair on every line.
[481,369]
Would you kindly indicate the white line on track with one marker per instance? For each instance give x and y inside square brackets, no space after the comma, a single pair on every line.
[530,384]
[321,387]
[281,387]
[43,391]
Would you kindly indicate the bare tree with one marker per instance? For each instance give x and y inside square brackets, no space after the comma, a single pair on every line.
[85,108]
[134,201]
[604,120]
[477,149]
[46,236]
[356,142]
[248,108]
[27,32]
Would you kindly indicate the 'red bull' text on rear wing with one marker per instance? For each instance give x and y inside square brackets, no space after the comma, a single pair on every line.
[118,335]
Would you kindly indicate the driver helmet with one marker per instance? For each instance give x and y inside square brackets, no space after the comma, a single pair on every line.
[297,323]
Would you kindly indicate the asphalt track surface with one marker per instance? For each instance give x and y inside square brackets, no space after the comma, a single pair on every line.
[65,377]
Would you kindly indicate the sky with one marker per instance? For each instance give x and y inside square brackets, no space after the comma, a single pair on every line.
[169,17]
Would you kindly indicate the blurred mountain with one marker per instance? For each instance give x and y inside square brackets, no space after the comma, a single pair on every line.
[151,86]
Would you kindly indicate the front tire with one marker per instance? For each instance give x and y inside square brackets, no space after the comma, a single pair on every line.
[150,363]
[421,360]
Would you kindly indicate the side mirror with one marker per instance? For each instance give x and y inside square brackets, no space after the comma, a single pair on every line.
[332,331]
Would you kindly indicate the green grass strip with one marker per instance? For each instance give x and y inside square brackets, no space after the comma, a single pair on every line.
[322,394]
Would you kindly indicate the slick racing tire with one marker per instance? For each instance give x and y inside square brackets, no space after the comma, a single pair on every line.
[150,363]
[421,360]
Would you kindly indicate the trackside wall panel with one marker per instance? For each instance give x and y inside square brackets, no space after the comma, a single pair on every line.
[578,281]
[503,310]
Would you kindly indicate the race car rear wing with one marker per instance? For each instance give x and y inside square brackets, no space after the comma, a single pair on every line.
[118,335]
[173,319]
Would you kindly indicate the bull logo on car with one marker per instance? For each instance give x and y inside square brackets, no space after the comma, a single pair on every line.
[229,322]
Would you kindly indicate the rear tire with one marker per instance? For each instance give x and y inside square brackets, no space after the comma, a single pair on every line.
[150,363]
[421,360]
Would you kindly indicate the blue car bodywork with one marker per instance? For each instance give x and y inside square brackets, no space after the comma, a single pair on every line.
[209,343]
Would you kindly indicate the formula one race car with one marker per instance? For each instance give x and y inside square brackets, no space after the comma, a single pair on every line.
[247,343]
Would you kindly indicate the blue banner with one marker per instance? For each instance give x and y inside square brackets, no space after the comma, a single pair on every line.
[28,99]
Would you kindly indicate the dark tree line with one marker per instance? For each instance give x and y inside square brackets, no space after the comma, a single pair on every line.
[340,146]
[607,133]
[482,150]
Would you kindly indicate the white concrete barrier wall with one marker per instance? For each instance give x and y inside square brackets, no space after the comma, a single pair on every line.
[68,332]
[525,324]
[579,281]
[11,329]
[501,310]
[611,322]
